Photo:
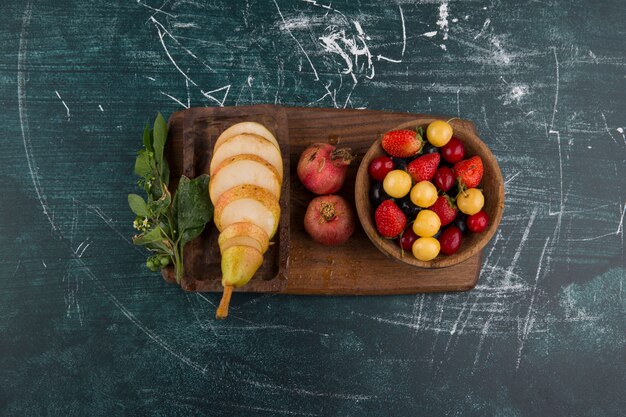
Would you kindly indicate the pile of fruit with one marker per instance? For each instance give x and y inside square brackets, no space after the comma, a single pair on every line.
[424,191]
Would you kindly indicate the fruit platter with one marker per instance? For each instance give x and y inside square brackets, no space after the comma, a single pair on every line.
[348,260]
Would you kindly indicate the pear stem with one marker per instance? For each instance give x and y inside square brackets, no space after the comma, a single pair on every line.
[222,310]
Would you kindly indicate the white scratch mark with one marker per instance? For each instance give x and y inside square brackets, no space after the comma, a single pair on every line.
[443,19]
[42,262]
[184,25]
[155,9]
[151,78]
[430,34]
[527,323]
[297,42]
[67,109]
[349,49]
[458,102]
[516,94]
[397,61]
[301,391]
[556,94]
[175,99]
[24,125]
[80,255]
[620,229]
[208,94]
[512,177]
[482,31]
[518,252]
[606,127]
[100,107]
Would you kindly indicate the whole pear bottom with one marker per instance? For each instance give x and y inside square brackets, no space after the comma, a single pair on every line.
[239,264]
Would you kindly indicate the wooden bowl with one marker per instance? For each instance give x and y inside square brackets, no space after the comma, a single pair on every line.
[492,185]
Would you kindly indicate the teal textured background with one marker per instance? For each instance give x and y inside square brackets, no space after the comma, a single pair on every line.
[85,329]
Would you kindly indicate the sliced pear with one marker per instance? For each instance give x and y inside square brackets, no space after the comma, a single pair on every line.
[239,264]
[241,170]
[247,144]
[245,229]
[247,127]
[240,241]
[248,203]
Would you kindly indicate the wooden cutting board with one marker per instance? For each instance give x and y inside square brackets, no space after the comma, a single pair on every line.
[308,268]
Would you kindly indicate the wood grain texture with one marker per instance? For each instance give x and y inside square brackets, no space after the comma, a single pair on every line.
[354,268]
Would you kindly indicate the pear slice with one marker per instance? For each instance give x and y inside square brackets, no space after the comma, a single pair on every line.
[240,241]
[244,169]
[243,229]
[248,203]
[247,144]
[239,264]
[246,127]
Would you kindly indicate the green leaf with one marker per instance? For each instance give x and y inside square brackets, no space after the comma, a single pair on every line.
[147,138]
[192,207]
[138,205]
[160,136]
[143,168]
[159,207]
[165,174]
[190,234]
[153,239]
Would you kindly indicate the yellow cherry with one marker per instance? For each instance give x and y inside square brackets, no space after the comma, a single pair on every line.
[424,194]
[470,201]
[439,133]
[426,248]
[426,223]
[397,183]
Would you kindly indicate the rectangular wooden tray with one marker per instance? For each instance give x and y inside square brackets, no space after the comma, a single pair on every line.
[355,268]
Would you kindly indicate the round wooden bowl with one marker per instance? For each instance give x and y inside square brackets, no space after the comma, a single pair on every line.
[491,184]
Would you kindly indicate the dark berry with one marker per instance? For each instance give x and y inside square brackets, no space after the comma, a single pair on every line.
[460,222]
[428,148]
[377,194]
[408,208]
[401,163]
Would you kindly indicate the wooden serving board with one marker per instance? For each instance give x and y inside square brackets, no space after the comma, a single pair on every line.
[354,268]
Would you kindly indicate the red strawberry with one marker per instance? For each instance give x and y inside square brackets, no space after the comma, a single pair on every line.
[444,208]
[469,171]
[402,143]
[424,167]
[390,220]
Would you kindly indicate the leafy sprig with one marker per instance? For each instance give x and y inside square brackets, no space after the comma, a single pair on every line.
[165,223]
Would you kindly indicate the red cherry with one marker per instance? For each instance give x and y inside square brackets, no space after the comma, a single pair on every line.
[453,151]
[477,223]
[407,238]
[380,167]
[444,178]
[450,240]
